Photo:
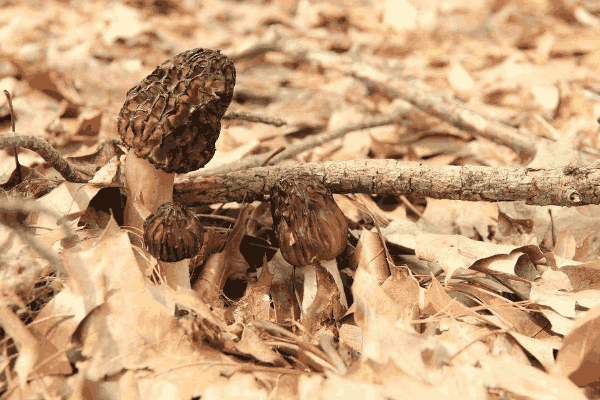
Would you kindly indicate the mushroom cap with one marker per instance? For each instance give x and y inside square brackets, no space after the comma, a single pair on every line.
[173,233]
[308,222]
[172,118]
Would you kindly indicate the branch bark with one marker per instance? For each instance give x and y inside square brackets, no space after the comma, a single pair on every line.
[571,186]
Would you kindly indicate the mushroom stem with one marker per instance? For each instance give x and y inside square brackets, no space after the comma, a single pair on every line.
[177,273]
[146,185]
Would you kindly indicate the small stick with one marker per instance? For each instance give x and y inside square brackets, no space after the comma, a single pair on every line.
[18,169]
[50,154]
[10,108]
[47,152]
[443,106]
[539,187]
[303,145]
[313,141]
[254,118]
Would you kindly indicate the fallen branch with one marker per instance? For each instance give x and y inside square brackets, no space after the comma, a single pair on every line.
[244,116]
[570,186]
[440,105]
[563,187]
[455,112]
[48,152]
[67,169]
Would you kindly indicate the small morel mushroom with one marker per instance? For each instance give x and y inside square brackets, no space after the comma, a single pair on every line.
[308,223]
[171,121]
[173,235]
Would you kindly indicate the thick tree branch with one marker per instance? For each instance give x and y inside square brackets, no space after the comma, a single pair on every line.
[563,187]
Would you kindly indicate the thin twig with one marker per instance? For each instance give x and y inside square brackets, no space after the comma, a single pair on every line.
[378,73]
[251,161]
[454,112]
[318,140]
[50,154]
[271,156]
[441,105]
[18,169]
[308,347]
[302,145]
[448,361]
[254,118]
[10,108]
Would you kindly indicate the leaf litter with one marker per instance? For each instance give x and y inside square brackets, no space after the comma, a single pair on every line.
[431,297]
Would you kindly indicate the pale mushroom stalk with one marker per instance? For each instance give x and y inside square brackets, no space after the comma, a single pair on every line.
[147,186]
[177,274]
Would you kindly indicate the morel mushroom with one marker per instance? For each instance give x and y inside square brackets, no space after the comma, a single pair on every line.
[171,121]
[173,235]
[308,223]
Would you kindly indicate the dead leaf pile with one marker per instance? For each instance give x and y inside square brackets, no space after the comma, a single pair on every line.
[459,139]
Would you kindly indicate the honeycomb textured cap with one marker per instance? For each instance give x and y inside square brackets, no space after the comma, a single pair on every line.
[172,118]
[308,222]
[173,233]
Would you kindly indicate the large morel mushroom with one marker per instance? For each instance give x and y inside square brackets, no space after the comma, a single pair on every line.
[171,121]
[309,225]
